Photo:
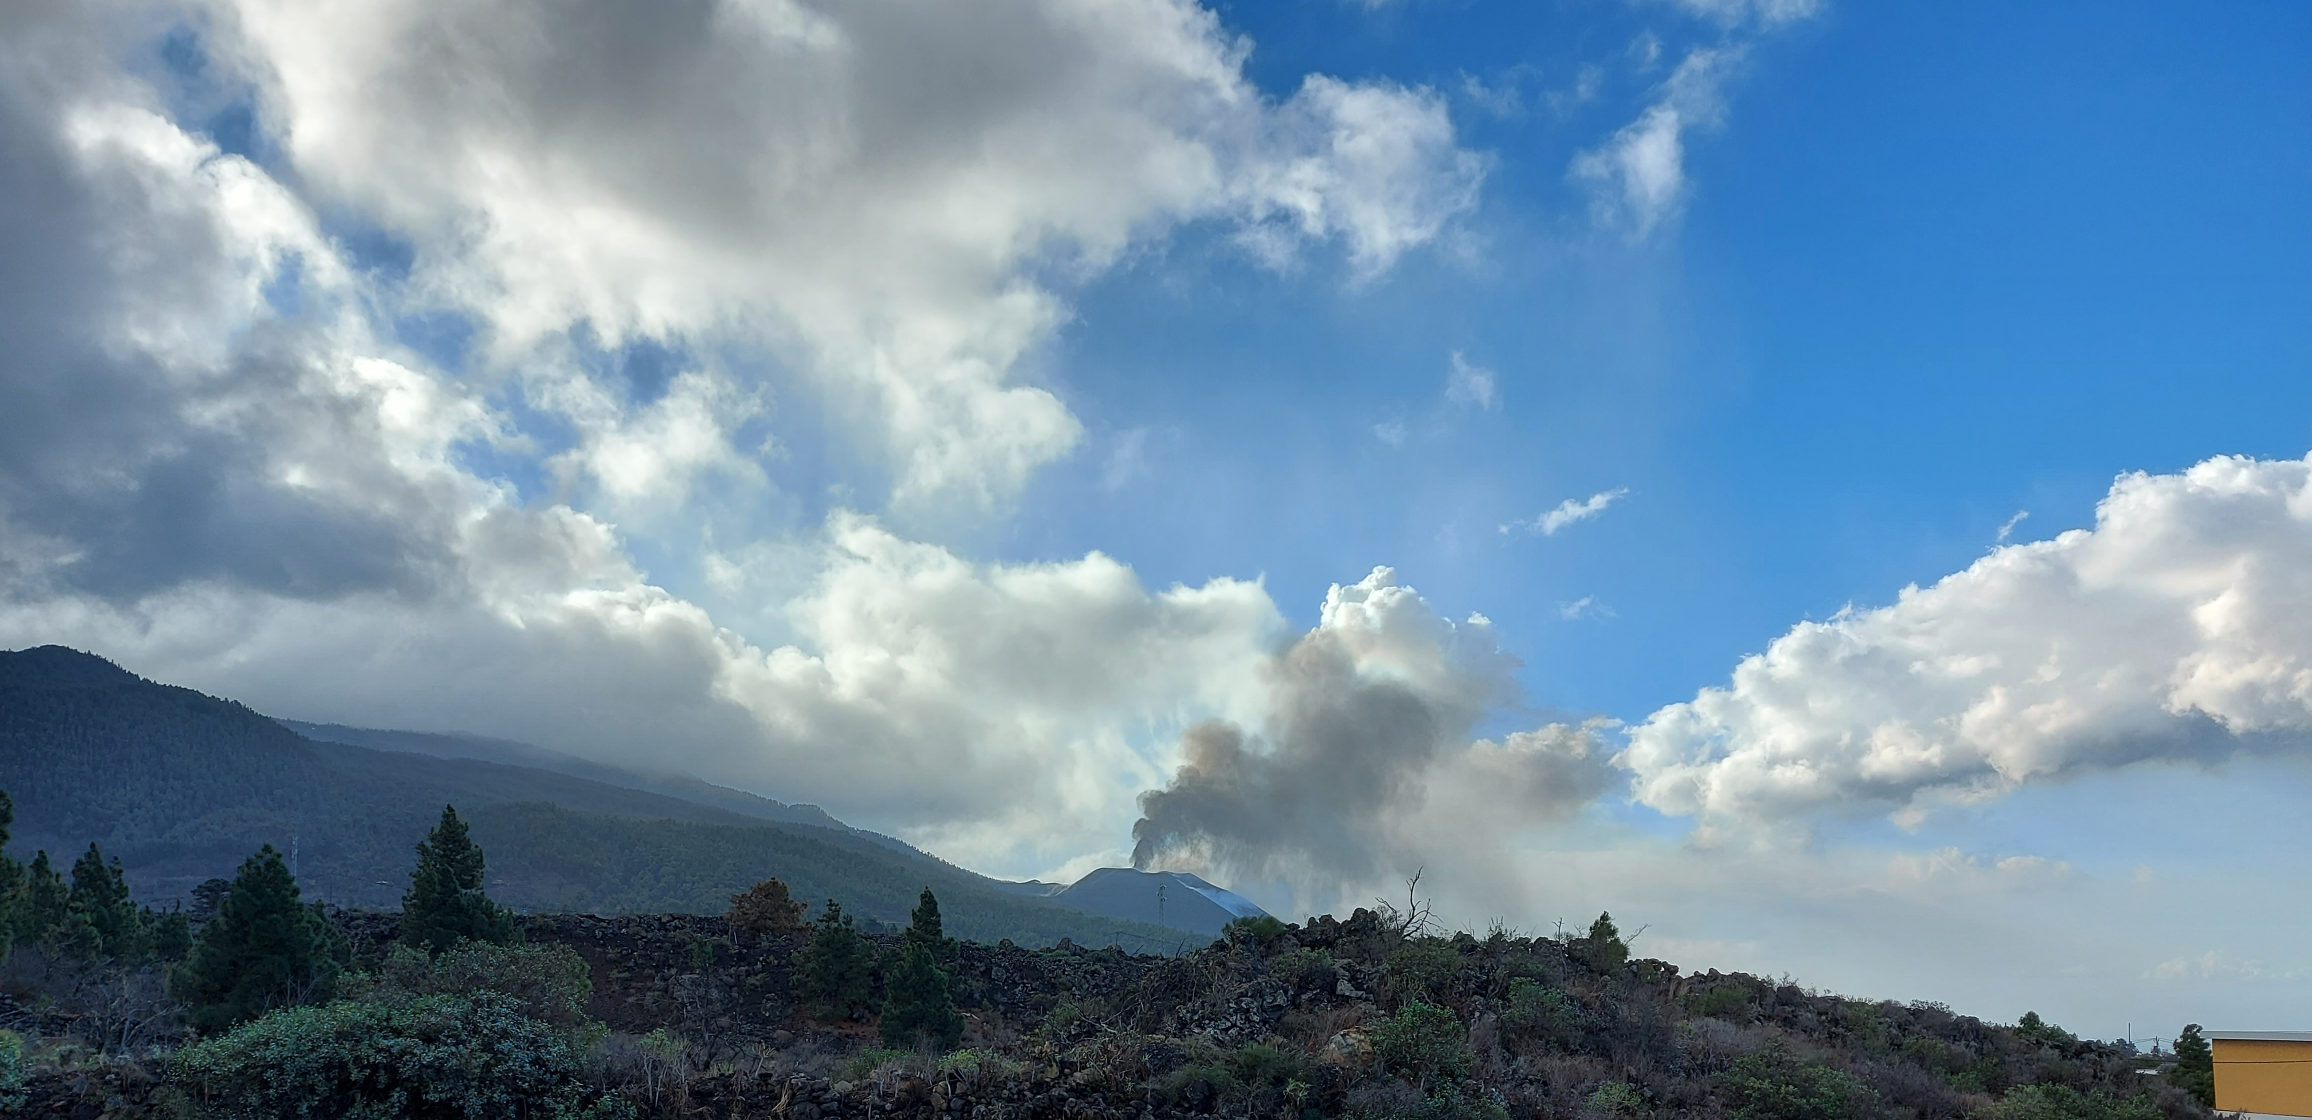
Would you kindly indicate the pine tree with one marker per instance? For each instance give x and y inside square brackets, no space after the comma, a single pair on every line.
[2195,1068]
[766,907]
[263,950]
[923,928]
[1607,950]
[103,921]
[921,1003]
[11,878]
[445,903]
[837,969]
[40,909]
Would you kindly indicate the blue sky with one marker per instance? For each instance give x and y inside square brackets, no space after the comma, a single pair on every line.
[1842,468]
[1939,267]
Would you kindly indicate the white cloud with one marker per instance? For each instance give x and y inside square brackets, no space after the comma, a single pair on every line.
[866,191]
[216,468]
[2165,632]
[2215,964]
[1768,13]
[1637,178]
[1391,432]
[1470,384]
[1585,607]
[1568,512]
[2007,528]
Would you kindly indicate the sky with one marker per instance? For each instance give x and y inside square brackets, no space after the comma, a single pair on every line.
[1826,482]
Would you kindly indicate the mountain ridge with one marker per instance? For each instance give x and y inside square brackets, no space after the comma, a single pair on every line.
[182,786]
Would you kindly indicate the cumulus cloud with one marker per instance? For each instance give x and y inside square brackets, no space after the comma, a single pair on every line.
[2166,632]
[1366,742]
[1637,178]
[221,466]
[1571,511]
[865,189]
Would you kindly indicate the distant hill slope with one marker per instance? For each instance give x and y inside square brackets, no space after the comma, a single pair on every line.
[183,786]
[1174,899]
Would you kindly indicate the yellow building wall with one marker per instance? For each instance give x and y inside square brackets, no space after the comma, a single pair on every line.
[2263,1076]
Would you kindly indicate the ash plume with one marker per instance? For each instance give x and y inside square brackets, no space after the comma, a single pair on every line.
[1365,750]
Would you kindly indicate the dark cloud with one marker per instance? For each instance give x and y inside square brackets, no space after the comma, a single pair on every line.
[143,470]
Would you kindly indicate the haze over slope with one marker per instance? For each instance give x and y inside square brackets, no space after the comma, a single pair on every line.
[184,786]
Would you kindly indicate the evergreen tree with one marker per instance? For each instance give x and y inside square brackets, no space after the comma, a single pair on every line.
[837,969]
[766,907]
[923,928]
[172,934]
[1607,950]
[445,903]
[921,1003]
[103,921]
[263,950]
[2195,1068]
[41,908]
[11,878]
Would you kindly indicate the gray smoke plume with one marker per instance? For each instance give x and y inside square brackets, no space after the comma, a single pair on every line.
[1367,740]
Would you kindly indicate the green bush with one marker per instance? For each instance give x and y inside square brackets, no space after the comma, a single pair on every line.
[1776,1084]
[549,983]
[1421,970]
[1301,968]
[1614,1098]
[1198,1085]
[980,1063]
[12,1071]
[1536,1012]
[426,1056]
[1718,1002]
[2034,1029]
[1262,928]
[1423,1043]
[865,1063]
[2060,1102]
[1262,1066]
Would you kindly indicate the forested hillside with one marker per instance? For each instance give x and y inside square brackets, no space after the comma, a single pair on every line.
[181,787]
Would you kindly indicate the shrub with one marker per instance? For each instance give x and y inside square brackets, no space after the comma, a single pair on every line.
[766,907]
[12,1071]
[1539,1013]
[1776,1084]
[2034,1029]
[1303,968]
[1423,1042]
[1197,1085]
[1263,929]
[1718,1002]
[980,1064]
[1614,1098]
[2061,1102]
[867,1062]
[549,983]
[1421,970]
[440,1055]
